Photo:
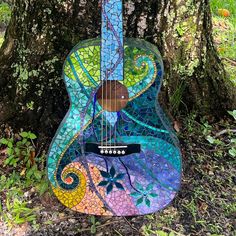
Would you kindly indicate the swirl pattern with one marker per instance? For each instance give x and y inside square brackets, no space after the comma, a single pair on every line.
[135,184]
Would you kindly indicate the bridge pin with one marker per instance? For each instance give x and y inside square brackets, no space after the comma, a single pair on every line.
[110,152]
[114,152]
[119,152]
[123,152]
[106,151]
[102,152]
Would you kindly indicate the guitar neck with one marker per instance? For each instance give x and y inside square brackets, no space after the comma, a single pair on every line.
[112,42]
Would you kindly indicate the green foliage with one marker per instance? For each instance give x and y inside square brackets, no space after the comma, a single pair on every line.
[148,230]
[1,40]
[17,211]
[229,5]
[30,105]
[177,98]
[20,151]
[233,114]
[94,224]
[5,13]
[24,171]
[229,143]
[225,34]
[190,122]
[21,154]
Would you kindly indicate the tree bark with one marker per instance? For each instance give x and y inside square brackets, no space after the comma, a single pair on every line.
[41,34]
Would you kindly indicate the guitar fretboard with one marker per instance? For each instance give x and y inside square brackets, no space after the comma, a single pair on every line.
[112,45]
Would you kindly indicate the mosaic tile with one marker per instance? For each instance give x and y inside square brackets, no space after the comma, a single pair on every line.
[135,184]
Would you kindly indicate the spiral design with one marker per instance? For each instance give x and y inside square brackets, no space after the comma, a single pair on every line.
[74,183]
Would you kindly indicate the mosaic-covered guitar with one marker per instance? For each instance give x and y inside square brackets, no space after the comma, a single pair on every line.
[115,152]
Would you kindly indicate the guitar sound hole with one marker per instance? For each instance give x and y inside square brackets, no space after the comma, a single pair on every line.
[112,96]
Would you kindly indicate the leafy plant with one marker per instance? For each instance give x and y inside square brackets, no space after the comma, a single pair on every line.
[232,150]
[16,210]
[148,231]
[94,224]
[24,170]
[213,140]
[233,113]
[5,13]
[21,153]
[190,122]
[20,213]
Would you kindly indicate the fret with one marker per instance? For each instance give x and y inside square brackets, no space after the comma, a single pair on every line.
[112,43]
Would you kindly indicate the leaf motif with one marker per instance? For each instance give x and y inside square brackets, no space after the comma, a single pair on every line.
[104,174]
[147,201]
[103,183]
[136,194]
[112,171]
[153,195]
[119,186]
[139,201]
[139,187]
[119,176]
[150,187]
[109,188]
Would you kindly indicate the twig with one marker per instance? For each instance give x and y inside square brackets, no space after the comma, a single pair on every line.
[131,226]
[4,171]
[225,131]
[100,226]
[229,60]
[38,152]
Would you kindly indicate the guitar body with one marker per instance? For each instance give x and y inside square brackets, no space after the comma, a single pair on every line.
[115,152]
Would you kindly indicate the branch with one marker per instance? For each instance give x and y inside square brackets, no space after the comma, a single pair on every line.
[229,60]
[225,131]
[99,226]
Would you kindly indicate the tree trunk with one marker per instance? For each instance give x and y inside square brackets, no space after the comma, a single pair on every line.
[41,34]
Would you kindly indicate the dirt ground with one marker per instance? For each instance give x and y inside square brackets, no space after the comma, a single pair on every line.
[204,206]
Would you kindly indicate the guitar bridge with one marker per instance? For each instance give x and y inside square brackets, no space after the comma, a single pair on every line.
[112,150]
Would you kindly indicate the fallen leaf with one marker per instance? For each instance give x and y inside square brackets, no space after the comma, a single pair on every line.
[177,126]
[32,157]
[203,206]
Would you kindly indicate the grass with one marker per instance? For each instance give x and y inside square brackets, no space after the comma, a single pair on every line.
[204,206]
[5,13]
[226,4]
[225,35]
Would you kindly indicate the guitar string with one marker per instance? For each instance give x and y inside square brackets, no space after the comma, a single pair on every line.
[102,76]
[116,86]
[116,75]
[105,68]
[110,83]
[107,74]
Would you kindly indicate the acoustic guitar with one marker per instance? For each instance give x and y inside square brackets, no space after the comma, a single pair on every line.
[115,153]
